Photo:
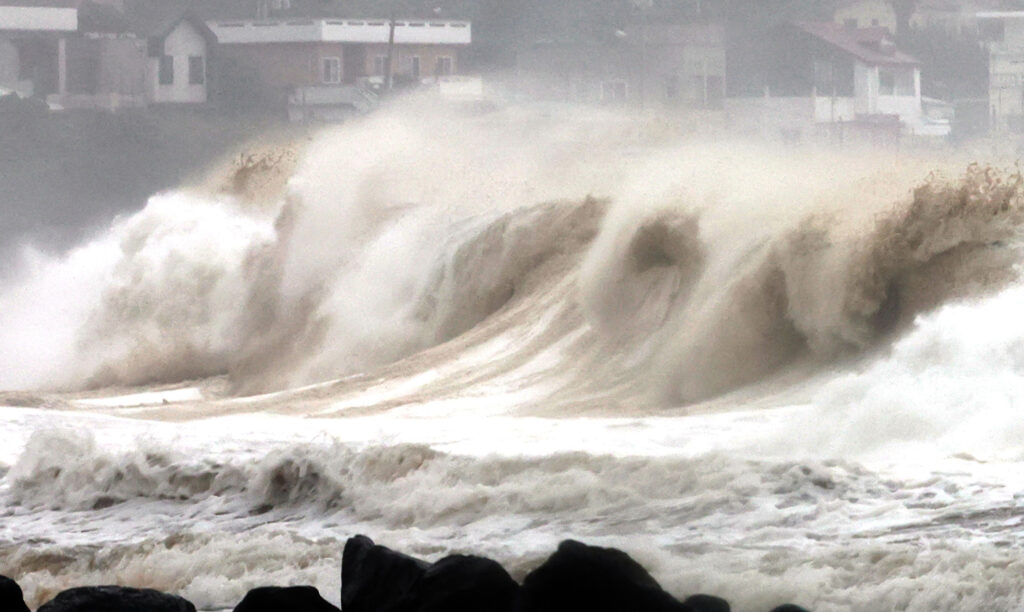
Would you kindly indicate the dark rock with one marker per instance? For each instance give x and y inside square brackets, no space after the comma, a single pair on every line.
[284,599]
[377,579]
[581,578]
[789,608]
[462,583]
[11,597]
[707,603]
[116,599]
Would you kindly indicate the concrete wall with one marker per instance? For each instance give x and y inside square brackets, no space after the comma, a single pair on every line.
[180,44]
[773,119]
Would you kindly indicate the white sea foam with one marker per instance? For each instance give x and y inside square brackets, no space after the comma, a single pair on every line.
[772,375]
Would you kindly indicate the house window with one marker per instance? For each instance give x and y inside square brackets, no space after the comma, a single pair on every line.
[824,77]
[443,67]
[331,70]
[166,71]
[26,63]
[613,92]
[671,87]
[874,22]
[196,70]
[414,66]
[886,83]
[850,23]
[380,64]
[715,92]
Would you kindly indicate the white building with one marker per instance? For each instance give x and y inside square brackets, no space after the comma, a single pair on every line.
[833,79]
[1004,35]
[33,49]
[179,57]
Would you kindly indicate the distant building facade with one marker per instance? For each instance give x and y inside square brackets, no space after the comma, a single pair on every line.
[1003,32]
[114,65]
[666,66]
[827,79]
[33,49]
[325,68]
[856,14]
[954,17]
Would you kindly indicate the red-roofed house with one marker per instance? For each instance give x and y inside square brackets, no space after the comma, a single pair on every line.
[819,74]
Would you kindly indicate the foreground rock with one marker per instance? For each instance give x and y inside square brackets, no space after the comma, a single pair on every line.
[116,599]
[377,579]
[463,583]
[581,578]
[707,603]
[284,599]
[11,597]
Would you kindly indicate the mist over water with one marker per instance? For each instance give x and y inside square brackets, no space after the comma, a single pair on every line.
[771,373]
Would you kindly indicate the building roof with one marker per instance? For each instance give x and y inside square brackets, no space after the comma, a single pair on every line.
[38,19]
[160,32]
[870,45]
[1000,15]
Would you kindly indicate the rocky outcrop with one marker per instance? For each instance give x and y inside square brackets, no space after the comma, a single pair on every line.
[116,599]
[11,597]
[284,599]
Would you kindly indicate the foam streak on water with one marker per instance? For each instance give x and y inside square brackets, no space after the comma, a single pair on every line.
[771,375]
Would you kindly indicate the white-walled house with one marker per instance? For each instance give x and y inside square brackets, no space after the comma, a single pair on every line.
[177,70]
[33,48]
[836,78]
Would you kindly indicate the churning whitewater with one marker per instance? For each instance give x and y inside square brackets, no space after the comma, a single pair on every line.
[779,375]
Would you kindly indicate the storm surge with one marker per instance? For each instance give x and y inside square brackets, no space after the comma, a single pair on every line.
[775,374]
[402,244]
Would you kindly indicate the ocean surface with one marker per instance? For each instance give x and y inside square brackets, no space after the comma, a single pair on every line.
[770,374]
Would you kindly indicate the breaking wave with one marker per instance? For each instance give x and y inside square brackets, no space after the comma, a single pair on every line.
[674,274]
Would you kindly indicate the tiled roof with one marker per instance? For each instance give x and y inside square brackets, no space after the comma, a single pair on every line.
[870,45]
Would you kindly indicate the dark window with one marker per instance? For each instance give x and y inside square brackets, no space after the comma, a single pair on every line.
[613,92]
[671,87]
[166,75]
[715,87]
[905,83]
[330,70]
[886,83]
[444,66]
[414,66]
[26,63]
[380,63]
[196,70]
[850,23]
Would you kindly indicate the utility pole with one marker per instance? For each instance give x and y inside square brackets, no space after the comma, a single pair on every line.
[390,80]
[643,6]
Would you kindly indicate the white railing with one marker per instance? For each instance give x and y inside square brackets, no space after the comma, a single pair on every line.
[39,19]
[356,96]
[343,30]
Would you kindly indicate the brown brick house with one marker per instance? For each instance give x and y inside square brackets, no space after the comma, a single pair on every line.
[302,63]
